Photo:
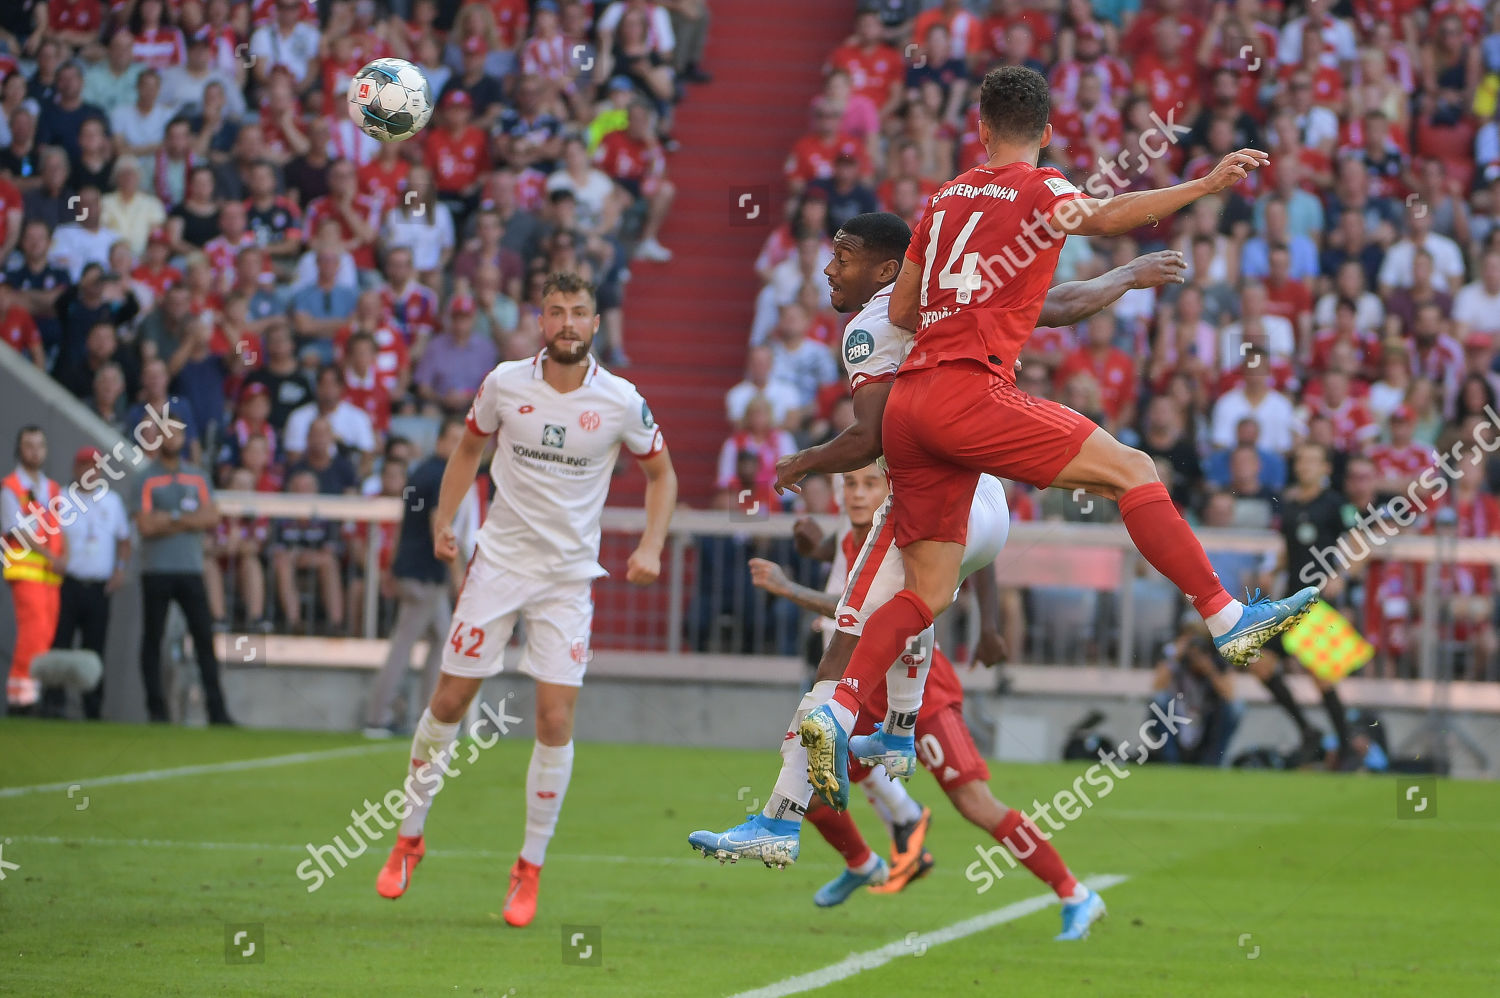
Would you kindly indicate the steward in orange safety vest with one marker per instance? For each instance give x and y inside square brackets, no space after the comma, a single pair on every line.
[32,553]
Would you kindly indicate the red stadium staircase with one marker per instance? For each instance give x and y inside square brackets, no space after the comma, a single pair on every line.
[687,322]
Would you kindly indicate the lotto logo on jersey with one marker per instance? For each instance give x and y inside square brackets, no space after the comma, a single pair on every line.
[858,346]
[554,435]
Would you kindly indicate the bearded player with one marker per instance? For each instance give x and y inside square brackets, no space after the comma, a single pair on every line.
[867,254]
[559,420]
[955,413]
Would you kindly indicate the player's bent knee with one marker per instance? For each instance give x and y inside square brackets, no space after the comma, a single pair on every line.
[974,801]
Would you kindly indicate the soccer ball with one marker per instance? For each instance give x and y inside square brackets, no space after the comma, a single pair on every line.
[389,100]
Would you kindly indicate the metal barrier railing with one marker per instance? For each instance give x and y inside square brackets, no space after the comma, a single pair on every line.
[1067,572]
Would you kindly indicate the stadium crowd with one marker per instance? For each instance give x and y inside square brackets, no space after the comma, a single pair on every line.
[1347,297]
[190,220]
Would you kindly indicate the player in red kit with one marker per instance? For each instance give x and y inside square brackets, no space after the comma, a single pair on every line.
[972,286]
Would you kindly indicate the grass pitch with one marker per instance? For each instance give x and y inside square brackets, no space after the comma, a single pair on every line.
[1253,884]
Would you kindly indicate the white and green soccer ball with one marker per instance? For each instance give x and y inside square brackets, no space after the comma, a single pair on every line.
[389,100]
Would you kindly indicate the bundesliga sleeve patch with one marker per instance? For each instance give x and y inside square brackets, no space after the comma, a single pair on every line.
[858,346]
[1059,186]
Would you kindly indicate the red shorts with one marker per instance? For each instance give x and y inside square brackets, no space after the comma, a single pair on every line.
[943,744]
[946,425]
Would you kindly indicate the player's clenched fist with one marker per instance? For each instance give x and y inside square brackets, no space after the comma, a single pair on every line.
[1235,167]
[1155,269]
[643,568]
[444,544]
[807,535]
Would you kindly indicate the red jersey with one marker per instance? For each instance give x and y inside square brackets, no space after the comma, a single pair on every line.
[390,356]
[1075,131]
[456,161]
[365,206]
[19,330]
[812,158]
[369,394]
[10,198]
[1289,300]
[1408,461]
[1353,426]
[996,25]
[1367,343]
[387,539]
[386,181]
[964,32]
[160,48]
[221,254]
[1115,373]
[985,311]
[1114,80]
[510,20]
[1172,87]
[871,72]
[1140,40]
[627,158]
[80,15]
[157,280]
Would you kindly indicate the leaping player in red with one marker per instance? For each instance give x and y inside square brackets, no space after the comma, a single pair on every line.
[972,286]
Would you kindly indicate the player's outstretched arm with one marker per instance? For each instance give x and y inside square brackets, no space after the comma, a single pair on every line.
[773,579]
[458,478]
[644,566]
[1077,300]
[991,648]
[855,447]
[1123,212]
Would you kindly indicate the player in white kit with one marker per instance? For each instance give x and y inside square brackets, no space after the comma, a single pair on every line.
[558,421]
[868,251]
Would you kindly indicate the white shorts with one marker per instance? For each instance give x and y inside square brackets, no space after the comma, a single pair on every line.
[558,617]
[878,573]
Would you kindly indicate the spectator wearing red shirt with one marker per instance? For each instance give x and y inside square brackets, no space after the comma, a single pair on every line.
[876,70]
[1110,366]
[1113,75]
[1168,76]
[1144,37]
[1090,129]
[357,214]
[457,152]
[965,34]
[1400,462]
[11,218]
[633,157]
[75,23]
[391,363]
[813,154]
[412,306]
[1353,426]
[17,327]
[1004,14]
[1285,295]
[363,384]
[384,177]
[157,45]
[1345,333]
[223,250]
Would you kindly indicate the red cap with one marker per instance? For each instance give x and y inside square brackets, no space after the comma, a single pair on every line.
[1478,341]
[86,454]
[457,98]
[461,305]
[159,235]
[1403,413]
[848,150]
[254,388]
[473,44]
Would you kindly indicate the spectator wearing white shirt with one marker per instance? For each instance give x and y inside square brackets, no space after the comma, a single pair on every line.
[128,210]
[287,41]
[593,190]
[329,237]
[77,244]
[787,277]
[1317,27]
[140,126]
[1447,259]
[1256,328]
[350,424]
[182,86]
[760,383]
[1317,125]
[98,550]
[1254,398]
[1349,282]
[805,364]
[1476,307]
[422,224]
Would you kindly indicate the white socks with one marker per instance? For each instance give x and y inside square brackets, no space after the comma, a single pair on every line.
[890,797]
[1222,622]
[546,786]
[792,792]
[429,760]
[904,682]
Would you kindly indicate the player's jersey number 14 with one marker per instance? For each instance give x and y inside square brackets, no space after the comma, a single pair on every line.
[960,273]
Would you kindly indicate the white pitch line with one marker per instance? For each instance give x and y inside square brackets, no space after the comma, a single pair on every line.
[917,943]
[62,840]
[151,775]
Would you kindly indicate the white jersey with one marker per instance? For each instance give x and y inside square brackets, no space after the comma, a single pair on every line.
[553,461]
[874,347]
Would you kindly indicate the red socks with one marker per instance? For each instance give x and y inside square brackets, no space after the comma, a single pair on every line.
[1025,842]
[841,832]
[885,637]
[1167,542]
